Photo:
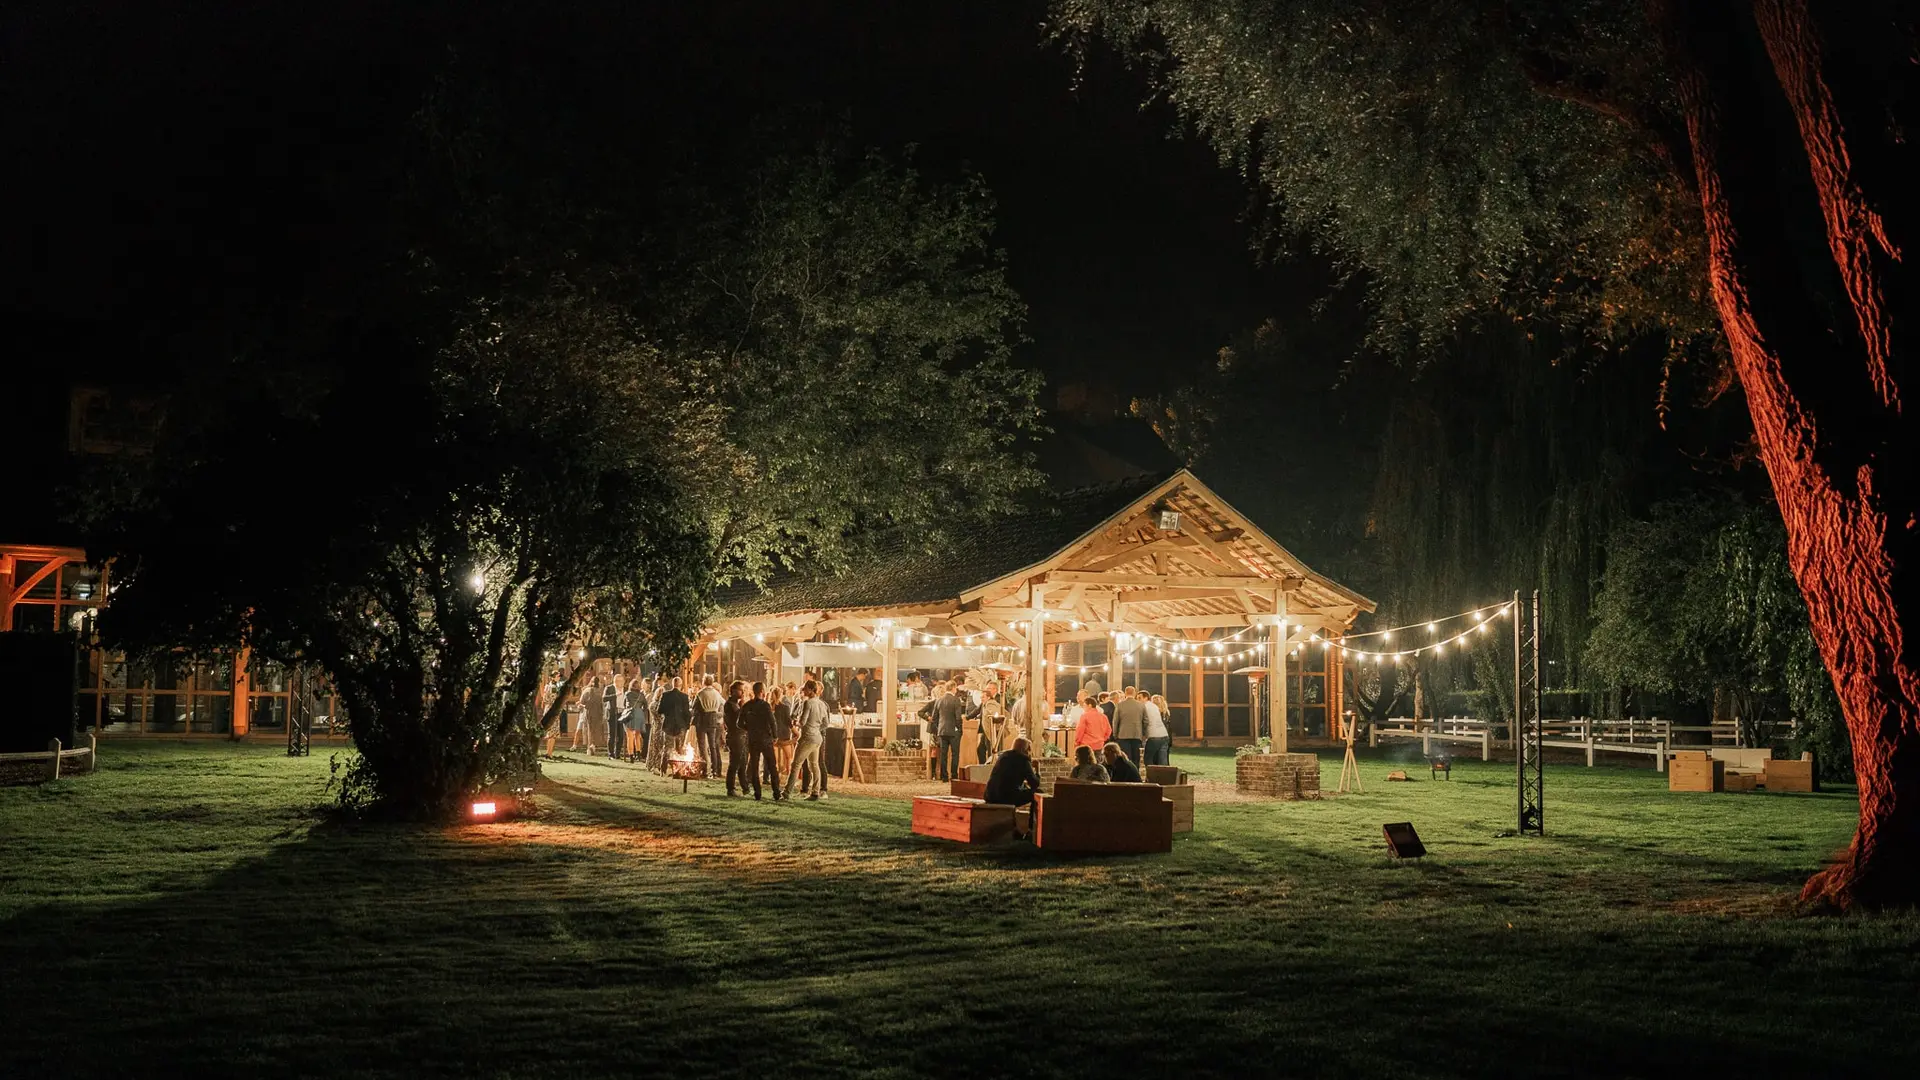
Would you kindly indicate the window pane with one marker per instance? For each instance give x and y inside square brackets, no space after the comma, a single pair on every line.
[1237,689]
[1151,681]
[44,589]
[167,713]
[1179,720]
[1179,689]
[267,712]
[38,617]
[79,582]
[1237,720]
[1216,719]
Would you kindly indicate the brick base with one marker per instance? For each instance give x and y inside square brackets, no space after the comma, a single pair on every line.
[881,767]
[1051,769]
[1277,776]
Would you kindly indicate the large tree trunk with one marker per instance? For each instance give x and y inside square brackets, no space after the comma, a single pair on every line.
[1806,182]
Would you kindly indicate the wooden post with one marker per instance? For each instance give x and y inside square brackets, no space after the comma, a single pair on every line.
[93,751]
[889,691]
[1277,676]
[53,764]
[1197,701]
[1039,686]
[242,691]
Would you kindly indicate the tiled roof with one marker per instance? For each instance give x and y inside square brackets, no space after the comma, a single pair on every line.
[904,572]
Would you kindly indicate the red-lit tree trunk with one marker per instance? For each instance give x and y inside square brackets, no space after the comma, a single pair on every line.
[1794,114]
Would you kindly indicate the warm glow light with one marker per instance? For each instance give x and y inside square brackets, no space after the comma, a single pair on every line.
[579,654]
[759,637]
[477,581]
[484,809]
[1386,635]
[1432,627]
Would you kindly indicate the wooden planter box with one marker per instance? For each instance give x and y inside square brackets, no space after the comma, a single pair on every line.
[880,767]
[1696,770]
[1790,776]
[1277,776]
[1181,796]
[969,821]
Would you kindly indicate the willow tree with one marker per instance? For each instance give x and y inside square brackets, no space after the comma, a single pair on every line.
[1735,174]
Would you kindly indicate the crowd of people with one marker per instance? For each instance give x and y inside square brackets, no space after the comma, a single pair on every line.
[761,732]
[772,738]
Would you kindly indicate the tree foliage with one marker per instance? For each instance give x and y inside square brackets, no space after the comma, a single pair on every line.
[856,329]
[1412,143]
[553,413]
[1699,604]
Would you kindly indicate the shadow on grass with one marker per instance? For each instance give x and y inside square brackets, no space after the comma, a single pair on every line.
[641,933]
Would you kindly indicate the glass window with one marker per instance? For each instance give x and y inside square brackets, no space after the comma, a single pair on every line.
[45,589]
[38,617]
[1237,689]
[1237,720]
[1216,720]
[1179,689]
[1179,720]
[79,582]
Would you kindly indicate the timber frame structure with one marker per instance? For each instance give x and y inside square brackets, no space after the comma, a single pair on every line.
[1163,557]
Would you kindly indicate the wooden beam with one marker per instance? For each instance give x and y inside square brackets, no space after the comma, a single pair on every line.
[1172,581]
[1165,596]
[1193,622]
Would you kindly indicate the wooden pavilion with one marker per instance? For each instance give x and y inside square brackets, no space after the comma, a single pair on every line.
[1151,567]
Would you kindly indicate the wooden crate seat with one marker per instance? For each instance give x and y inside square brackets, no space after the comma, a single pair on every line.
[1103,817]
[969,821]
[968,789]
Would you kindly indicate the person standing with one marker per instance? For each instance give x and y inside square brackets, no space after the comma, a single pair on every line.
[676,717]
[639,718]
[709,716]
[1159,739]
[576,711]
[857,692]
[596,717]
[1106,706]
[615,695]
[782,702]
[736,736]
[812,718]
[949,715]
[757,724]
[1130,724]
[1092,729]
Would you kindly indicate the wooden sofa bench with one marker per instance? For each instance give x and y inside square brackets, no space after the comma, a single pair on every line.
[1103,817]
[969,821]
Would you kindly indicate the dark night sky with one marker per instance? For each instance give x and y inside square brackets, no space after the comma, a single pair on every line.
[177,149]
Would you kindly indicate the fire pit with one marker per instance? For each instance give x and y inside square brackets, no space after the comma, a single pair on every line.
[683,767]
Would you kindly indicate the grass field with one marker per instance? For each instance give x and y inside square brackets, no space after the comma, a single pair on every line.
[187,911]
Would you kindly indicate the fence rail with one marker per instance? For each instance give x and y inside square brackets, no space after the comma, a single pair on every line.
[55,757]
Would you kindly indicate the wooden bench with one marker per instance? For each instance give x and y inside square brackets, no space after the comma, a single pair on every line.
[1696,770]
[969,821]
[1792,775]
[968,789]
[1103,817]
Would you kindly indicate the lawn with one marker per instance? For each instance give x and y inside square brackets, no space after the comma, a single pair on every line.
[187,910]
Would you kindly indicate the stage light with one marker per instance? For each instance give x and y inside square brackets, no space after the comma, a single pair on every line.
[484,810]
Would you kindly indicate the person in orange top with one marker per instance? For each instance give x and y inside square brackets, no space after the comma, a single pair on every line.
[1092,730]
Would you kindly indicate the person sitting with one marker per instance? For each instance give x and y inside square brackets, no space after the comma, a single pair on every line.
[1120,769]
[1013,781]
[1086,768]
